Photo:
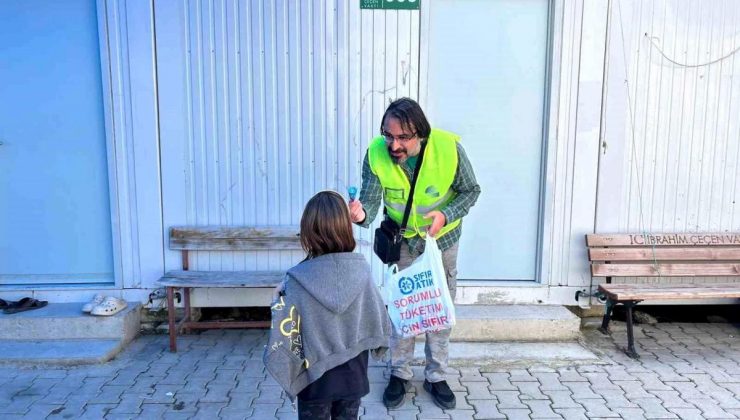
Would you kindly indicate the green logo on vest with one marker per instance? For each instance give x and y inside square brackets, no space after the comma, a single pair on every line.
[432,191]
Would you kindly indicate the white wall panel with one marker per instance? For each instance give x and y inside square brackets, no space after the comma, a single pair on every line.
[671,130]
[573,140]
[129,80]
[566,48]
[265,103]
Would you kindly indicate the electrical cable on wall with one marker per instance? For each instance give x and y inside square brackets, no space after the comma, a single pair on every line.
[690,66]
[638,173]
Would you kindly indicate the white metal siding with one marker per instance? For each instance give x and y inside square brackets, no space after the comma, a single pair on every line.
[264,103]
[127,41]
[572,148]
[672,129]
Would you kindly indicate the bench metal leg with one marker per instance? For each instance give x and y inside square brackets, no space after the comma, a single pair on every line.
[630,351]
[171,318]
[607,316]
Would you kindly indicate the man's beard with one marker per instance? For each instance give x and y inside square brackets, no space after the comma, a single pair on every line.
[399,160]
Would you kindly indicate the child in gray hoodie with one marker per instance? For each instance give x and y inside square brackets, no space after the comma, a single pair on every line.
[326,317]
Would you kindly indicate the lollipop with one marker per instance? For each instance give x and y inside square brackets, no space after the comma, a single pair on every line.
[352,193]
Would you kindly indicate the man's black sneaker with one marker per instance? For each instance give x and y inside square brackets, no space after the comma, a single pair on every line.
[395,392]
[441,393]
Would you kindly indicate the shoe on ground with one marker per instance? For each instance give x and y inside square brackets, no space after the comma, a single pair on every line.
[442,395]
[395,392]
[96,300]
[7,303]
[109,306]
[25,304]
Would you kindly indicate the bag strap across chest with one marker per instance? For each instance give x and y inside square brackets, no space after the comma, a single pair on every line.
[407,211]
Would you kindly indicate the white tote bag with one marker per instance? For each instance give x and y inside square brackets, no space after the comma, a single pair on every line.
[418,297]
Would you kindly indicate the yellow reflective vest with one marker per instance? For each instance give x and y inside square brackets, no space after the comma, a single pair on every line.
[433,187]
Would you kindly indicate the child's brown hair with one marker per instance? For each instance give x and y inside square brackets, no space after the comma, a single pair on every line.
[326,226]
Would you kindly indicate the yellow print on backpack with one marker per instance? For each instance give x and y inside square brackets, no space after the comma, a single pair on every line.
[279,304]
[291,324]
[291,327]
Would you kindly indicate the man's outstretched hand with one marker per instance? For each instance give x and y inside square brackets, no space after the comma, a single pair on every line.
[437,223]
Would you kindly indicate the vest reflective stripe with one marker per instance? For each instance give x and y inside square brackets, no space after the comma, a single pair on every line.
[397,206]
[433,188]
[426,209]
[422,209]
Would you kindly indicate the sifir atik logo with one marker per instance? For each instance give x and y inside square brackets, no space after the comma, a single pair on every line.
[407,285]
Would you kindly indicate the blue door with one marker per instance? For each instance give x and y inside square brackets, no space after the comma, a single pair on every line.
[55,219]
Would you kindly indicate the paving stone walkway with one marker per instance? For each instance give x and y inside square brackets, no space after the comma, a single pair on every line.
[687,371]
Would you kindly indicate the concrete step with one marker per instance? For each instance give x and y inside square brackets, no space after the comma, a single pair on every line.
[58,321]
[543,323]
[59,352]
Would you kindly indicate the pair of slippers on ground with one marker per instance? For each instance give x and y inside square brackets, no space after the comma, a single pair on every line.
[25,304]
[104,305]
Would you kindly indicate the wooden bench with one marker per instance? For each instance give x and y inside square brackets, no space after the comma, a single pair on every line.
[188,238]
[661,256]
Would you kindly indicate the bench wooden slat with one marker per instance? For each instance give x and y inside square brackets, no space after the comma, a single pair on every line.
[622,292]
[664,239]
[247,238]
[664,270]
[639,286]
[661,254]
[180,278]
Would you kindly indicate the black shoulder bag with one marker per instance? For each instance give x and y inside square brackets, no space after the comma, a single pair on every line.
[389,236]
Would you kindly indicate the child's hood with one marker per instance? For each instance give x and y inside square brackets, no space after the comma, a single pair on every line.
[335,280]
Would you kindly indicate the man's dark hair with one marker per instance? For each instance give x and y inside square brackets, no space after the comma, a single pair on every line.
[409,113]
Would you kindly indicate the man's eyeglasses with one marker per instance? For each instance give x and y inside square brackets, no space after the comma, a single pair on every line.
[403,138]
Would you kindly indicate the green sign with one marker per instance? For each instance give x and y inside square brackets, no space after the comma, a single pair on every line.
[390,4]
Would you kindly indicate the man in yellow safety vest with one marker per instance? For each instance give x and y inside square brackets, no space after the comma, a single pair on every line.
[445,191]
